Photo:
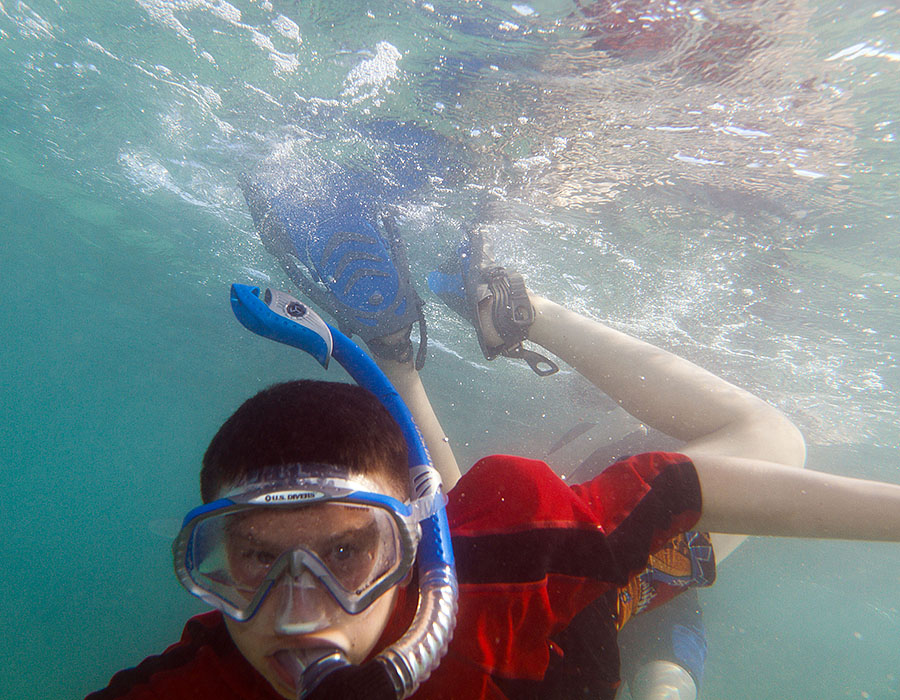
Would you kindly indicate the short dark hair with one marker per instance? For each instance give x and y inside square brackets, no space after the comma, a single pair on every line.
[307,421]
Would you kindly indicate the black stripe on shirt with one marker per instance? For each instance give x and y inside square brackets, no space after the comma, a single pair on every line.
[529,555]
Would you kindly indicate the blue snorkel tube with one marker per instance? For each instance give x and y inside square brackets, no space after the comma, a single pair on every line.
[410,660]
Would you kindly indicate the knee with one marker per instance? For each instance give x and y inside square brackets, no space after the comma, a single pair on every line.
[663,680]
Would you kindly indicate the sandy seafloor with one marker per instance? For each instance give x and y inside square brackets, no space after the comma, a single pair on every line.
[720,178]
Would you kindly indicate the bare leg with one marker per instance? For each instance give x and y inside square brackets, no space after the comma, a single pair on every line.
[667,392]
[747,454]
[405,378]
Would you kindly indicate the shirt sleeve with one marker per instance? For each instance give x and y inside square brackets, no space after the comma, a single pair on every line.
[642,502]
[203,665]
[532,552]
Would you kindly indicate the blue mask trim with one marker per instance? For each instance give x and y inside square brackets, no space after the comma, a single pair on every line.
[206,508]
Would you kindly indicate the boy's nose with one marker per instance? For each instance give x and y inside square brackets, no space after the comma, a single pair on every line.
[303,604]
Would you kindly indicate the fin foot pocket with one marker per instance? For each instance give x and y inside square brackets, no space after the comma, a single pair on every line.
[472,277]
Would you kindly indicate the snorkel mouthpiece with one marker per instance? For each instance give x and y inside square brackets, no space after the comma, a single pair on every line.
[309,666]
[398,670]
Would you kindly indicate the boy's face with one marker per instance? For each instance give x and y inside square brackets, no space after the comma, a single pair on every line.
[264,534]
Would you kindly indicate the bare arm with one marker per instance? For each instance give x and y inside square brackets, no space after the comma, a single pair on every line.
[762,498]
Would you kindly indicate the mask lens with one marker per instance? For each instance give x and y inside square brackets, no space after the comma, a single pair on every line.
[364,552]
[348,548]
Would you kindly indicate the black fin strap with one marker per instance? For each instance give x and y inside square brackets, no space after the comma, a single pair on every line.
[541,365]
[511,309]
[513,314]
[398,352]
[519,311]
[423,344]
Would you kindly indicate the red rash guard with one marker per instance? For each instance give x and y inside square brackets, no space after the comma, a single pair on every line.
[532,554]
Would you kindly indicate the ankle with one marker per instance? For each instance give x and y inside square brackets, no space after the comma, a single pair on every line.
[396,347]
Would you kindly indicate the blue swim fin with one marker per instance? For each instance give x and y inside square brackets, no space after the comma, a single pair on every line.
[346,258]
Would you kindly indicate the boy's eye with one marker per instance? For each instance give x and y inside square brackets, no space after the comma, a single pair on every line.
[344,552]
[351,563]
[258,557]
[265,558]
[251,564]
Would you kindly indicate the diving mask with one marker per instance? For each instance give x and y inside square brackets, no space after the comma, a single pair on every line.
[320,547]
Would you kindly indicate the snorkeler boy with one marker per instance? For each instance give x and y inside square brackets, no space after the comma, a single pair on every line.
[303,583]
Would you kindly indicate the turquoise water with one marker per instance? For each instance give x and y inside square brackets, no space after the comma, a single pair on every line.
[721,178]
